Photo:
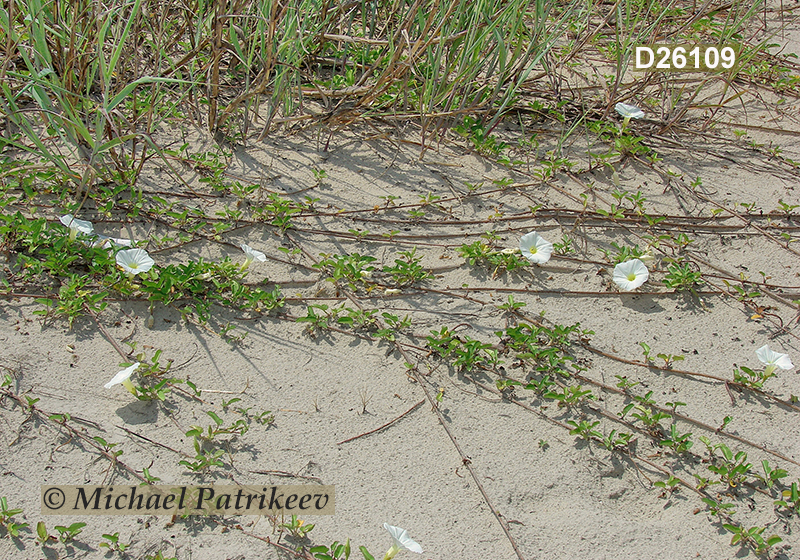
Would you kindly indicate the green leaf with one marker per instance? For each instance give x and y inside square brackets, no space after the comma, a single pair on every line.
[41,530]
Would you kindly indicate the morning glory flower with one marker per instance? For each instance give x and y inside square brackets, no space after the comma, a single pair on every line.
[629,111]
[134,261]
[124,377]
[76,226]
[251,255]
[773,359]
[631,274]
[401,542]
[107,242]
[535,248]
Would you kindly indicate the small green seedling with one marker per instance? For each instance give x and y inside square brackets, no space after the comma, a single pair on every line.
[505,384]
[297,527]
[470,354]
[668,486]
[749,378]
[407,270]
[337,551]
[68,534]
[315,322]
[669,359]
[570,396]
[12,527]
[42,536]
[113,543]
[541,386]
[751,537]
[680,277]
[564,247]
[149,479]
[703,482]
[719,509]
[771,476]
[791,499]
[511,306]
[616,441]
[650,418]
[204,459]
[787,208]
[108,447]
[731,469]
[680,443]
[585,429]
[238,428]
[623,382]
[264,418]
[319,174]
[645,351]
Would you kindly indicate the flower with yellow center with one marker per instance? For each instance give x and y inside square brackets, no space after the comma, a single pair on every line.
[535,248]
[631,274]
[134,261]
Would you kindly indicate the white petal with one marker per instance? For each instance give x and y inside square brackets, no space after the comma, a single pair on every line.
[770,357]
[633,267]
[402,540]
[106,242]
[629,111]
[123,375]
[252,254]
[535,248]
[74,223]
[784,362]
[135,261]
[764,354]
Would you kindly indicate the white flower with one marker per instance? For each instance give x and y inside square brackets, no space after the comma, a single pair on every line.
[509,251]
[629,111]
[401,542]
[76,226]
[535,248]
[629,275]
[108,242]
[124,378]
[251,255]
[134,261]
[773,359]
[391,291]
